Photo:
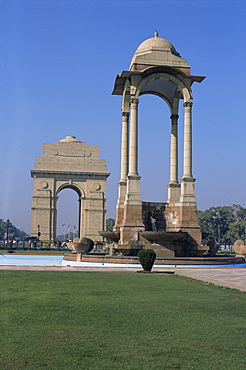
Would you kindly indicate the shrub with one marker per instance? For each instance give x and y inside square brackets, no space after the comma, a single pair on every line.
[147,258]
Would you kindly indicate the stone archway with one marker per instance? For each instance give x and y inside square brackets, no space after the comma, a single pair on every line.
[69,163]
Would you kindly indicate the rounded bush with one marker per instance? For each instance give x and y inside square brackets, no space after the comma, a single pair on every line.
[147,258]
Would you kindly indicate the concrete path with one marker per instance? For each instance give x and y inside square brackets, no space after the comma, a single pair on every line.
[229,277]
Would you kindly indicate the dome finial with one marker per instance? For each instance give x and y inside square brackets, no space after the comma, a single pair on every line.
[156,34]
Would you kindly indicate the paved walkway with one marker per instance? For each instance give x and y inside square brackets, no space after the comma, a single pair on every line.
[229,277]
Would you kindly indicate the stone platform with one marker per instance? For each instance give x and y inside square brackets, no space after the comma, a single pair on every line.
[164,243]
[159,260]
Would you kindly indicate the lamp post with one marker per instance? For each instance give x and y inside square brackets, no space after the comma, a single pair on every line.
[219,229]
[8,231]
[245,230]
[39,231]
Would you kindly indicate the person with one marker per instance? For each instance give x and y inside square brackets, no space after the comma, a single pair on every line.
[153,223]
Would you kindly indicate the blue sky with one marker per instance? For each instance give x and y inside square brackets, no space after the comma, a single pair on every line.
[58,64]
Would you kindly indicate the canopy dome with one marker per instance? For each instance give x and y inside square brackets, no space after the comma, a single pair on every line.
[156,51]
[156,43]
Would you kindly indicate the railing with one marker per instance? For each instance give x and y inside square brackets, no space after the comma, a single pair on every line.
[15,246]
[31,245]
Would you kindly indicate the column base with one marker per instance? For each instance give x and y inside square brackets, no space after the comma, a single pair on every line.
[173,192]
[133,195]
[188,191]
[118,219]
[132,224]
[184,218]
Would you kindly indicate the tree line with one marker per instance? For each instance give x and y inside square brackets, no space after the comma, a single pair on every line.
[225,224]
[12,231]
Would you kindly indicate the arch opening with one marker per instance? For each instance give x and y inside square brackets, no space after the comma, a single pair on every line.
[154,147]
[68,213]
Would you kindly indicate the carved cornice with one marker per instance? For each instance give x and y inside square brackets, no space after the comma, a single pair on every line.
[76,176]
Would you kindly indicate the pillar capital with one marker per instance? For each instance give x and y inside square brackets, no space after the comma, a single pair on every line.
[125,114]
[134,100]
[174,117]
[187,104]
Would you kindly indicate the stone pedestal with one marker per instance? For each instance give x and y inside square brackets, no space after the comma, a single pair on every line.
[184,218]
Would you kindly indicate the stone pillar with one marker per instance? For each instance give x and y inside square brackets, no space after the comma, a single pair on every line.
[42,212]
[186,212]
[187,181]
[124,171]
[133,218]
[124,146]
[54,217]
[174,186]
[174,149]
[133,178]
[80,217]
[133,160]
[187,140]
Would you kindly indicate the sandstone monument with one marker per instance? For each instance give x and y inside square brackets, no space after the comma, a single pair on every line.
[69,164]
[157,68]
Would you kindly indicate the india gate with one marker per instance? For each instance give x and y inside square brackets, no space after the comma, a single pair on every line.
[157,68]
[69,164]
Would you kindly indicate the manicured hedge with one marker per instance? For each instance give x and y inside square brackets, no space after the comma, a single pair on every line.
[147,258]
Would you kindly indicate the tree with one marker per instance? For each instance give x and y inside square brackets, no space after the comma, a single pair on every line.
[12,230]
[237,231]
[225,223]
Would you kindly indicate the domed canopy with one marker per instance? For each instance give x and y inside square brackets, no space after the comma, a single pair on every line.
[157,51]
[156,43]
[157,58]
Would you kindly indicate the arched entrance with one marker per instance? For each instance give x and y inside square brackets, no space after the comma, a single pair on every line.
[153,148]
[69,163]
[157,69]
[68,213]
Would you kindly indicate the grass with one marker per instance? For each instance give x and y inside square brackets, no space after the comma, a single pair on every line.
[93,320]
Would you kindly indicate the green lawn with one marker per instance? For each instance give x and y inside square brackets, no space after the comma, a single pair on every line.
[93,320]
